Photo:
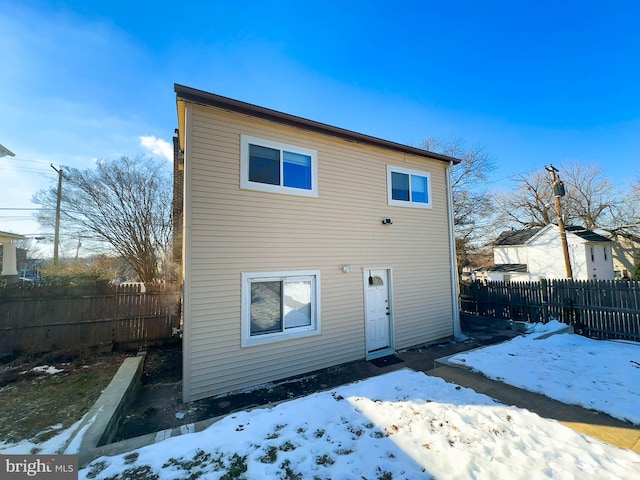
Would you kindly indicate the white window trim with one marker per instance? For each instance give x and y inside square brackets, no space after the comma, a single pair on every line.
[245,140]
[402,203]
[314,329]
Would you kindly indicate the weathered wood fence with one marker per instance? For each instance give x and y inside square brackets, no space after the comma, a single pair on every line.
[595,308]
[49,318]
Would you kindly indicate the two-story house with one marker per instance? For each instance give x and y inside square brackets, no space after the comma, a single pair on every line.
[304,245]
[9,264]
[536,253]
[626,254]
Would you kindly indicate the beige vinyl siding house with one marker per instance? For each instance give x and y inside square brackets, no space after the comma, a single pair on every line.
[285,278]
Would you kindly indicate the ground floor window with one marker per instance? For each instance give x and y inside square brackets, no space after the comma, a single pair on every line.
[279,305]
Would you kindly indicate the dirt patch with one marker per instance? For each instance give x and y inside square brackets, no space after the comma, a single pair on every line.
[41,395]
[36,403]
[158,401]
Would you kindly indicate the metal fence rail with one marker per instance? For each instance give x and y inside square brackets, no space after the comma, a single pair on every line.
[595,308]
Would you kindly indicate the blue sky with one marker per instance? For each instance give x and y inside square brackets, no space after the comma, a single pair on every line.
[534,83]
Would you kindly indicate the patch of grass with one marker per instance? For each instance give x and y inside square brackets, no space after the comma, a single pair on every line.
[318,433]
[287,447]
[383,474]
[270,456]
[96,468]
[143,472]
[237,468]
[325,460]
[200,459]
[289,474]
[131,458]
[32,402]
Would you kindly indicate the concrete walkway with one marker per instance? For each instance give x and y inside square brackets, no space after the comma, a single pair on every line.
[588,422]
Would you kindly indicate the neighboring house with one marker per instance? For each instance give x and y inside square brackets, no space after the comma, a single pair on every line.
[9,264]
[305,245]
[626,255]
[28,268]
[536,253]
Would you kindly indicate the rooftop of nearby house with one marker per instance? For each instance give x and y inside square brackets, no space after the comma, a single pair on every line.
[588,235]
[187,94]
[507,267]
[516,237]
[520,237]
[6,236]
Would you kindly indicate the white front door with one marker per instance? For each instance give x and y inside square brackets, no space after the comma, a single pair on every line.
[378,311]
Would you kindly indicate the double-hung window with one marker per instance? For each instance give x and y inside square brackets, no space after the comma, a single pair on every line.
[408,188]
[279,306]
[276,167]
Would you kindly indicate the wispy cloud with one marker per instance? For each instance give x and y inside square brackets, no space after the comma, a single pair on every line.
[157,146]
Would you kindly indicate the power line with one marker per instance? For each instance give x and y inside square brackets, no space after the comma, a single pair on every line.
[22,169]
[28,160]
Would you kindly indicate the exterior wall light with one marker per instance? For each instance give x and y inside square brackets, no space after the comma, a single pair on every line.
[387,221]
[346,268]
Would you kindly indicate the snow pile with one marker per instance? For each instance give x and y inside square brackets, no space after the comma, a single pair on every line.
[54,445]
[538,329]
[400,425]
[596,374]
[46,369]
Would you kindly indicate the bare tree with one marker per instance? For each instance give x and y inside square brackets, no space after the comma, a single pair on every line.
[626,222]
[635,189]
[590,201]
[468,181]
[125,203]
[471,204]
[29,246]
[529,203]
[591,195]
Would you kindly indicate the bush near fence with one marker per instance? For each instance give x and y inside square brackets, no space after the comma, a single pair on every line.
[46,318]
[595,308]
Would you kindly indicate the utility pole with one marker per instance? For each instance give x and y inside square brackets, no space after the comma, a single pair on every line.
[558,191]
[56,238]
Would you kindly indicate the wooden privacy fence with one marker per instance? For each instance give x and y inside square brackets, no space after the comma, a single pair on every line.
[595,308]
[49,318]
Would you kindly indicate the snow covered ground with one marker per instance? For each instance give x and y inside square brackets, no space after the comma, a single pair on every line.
[596,374]
[399,425]
[406,424]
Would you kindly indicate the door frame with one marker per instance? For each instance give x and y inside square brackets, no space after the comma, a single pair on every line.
[392,332]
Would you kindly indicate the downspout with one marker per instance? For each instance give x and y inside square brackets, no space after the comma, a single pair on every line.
[455,293]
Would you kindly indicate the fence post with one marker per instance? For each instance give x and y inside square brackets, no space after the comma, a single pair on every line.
[544,285]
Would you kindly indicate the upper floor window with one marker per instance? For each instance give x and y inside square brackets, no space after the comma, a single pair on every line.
[408,188]
[275,167]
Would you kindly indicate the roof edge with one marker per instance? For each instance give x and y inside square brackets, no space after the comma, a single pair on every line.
[12,236]
[210,99]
